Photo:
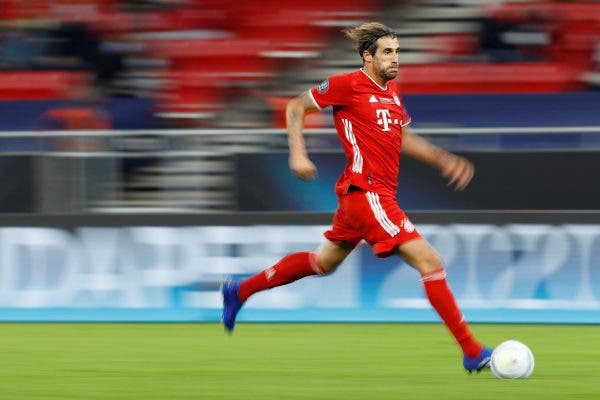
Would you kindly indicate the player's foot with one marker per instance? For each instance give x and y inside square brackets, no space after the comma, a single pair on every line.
[478,363]
[231,304]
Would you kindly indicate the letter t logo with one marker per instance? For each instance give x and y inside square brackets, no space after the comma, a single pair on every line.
[384,119]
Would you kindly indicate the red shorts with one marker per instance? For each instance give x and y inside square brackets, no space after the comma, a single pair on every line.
[378,220]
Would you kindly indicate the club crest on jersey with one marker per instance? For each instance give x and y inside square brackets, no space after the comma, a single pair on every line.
[407,225]
[397,101]
[323,86]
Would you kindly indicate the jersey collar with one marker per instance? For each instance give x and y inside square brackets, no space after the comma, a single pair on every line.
[372,80]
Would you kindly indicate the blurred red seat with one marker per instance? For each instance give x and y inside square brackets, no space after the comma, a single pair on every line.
[38,85]
[453,44]
[488,78]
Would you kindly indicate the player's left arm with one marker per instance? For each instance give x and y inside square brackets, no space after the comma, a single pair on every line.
[458,170]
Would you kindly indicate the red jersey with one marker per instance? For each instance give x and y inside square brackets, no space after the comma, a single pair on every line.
[369,120]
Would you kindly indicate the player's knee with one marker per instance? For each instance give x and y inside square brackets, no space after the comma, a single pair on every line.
[327,265]
[330,255]
[429,264]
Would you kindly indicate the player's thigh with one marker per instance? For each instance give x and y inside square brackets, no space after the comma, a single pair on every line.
[342,238]
[330,255]
[384,225]
[419,254]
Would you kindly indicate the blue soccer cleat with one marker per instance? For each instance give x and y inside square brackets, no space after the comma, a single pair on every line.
[478,363]
[231,304]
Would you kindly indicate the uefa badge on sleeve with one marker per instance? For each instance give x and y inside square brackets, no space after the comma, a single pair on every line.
[323,86]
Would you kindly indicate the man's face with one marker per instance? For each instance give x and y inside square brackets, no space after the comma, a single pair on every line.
[385,60]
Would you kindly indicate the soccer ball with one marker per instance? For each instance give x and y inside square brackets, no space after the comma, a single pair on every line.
[512,360]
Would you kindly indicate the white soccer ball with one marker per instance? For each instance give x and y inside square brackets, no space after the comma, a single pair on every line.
[512,360]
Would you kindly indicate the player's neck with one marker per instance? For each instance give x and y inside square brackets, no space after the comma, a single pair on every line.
[378,80]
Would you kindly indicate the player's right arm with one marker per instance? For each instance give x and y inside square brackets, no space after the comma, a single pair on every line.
[458,170]
[296,109]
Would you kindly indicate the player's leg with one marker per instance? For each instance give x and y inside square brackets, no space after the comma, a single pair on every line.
[296,266]
[341,239]
[289,269]
[419,254]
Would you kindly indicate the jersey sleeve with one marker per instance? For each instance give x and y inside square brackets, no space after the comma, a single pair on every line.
[405,115]
[334,91]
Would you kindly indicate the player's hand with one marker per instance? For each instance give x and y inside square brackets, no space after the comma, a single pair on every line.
[302,167]
[458,170]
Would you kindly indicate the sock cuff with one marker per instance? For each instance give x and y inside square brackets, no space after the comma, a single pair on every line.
[438,275]
[314,264]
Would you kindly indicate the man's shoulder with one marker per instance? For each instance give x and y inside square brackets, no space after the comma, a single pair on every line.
[340,82]
[393,84]
[344,77]
[396,88]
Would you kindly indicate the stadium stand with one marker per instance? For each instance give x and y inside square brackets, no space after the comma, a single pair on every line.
[231,64]
[192,55]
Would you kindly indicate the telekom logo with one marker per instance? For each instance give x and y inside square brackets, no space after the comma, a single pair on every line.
[384,119]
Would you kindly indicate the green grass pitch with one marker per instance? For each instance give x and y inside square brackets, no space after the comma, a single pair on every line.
[284,361]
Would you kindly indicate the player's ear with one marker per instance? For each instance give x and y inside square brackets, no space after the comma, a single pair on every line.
[368,57]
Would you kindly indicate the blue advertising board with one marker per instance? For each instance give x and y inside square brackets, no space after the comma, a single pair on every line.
[539,273]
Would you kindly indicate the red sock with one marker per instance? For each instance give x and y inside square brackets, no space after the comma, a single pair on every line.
[441,298]
[289,269]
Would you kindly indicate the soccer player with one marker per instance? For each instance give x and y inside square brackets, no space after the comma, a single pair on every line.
[372,125]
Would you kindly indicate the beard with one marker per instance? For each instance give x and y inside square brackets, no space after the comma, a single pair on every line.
[388,73]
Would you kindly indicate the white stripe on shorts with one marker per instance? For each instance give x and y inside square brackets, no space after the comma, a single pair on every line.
[381,216]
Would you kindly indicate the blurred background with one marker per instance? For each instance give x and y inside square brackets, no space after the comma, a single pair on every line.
[143,155]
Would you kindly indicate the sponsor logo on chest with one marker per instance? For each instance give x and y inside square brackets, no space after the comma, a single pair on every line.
[384,100]
[384,119]
[383,116]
